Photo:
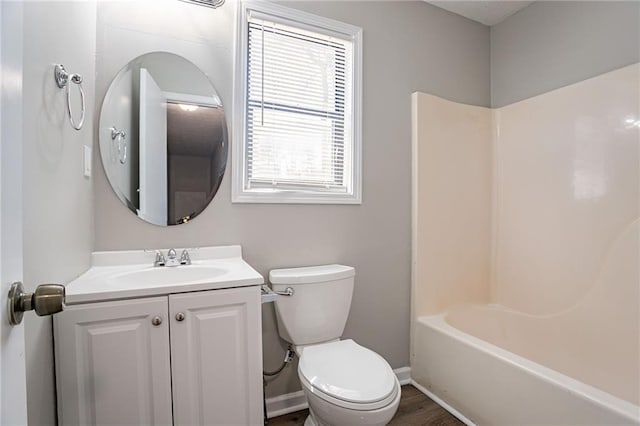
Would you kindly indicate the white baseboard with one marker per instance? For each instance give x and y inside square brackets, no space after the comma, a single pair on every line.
[443,404]
[295,401]
[285,404]
[404,375]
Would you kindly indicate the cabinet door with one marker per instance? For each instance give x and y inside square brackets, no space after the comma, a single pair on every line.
[112,363]
[216,357]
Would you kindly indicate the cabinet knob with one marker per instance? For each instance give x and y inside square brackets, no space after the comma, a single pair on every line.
[156,321]
[180,316]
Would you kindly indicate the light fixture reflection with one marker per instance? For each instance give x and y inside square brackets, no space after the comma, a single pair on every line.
[632,122]
[188,107]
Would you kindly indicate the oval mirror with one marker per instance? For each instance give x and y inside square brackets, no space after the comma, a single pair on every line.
[163,138]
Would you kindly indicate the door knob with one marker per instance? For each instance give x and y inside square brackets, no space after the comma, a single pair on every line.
[48,299]
[180,316]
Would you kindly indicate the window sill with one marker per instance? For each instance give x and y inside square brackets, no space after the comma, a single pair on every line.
[294,197]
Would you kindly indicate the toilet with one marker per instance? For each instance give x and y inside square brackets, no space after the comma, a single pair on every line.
[345,383]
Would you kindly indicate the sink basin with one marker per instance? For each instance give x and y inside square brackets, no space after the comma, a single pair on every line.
[129,274]
[163,276]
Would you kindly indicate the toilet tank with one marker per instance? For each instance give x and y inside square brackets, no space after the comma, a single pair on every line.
[318,309]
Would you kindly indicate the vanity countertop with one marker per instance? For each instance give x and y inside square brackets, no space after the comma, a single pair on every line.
[131,274]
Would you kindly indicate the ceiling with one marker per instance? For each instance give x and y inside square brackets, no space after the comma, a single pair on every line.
[485,12]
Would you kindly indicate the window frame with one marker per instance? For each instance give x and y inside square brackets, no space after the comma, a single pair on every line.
[285,15]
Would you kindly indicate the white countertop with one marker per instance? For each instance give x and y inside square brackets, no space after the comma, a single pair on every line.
[108,277]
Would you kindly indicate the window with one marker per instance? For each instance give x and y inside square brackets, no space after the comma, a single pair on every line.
[297,108]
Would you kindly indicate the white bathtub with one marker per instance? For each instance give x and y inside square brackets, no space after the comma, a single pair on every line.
[461,358]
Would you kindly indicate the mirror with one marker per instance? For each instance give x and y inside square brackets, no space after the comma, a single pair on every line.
[163,138]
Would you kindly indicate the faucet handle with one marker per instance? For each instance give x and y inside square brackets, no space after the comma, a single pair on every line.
[160,260]
[184,258]
[171,254]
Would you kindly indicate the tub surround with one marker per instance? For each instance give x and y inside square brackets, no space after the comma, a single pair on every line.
[562,289]
[567,184]
[456,369]
[451,212]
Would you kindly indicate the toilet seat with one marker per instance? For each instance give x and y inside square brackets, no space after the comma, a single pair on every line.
[348,375]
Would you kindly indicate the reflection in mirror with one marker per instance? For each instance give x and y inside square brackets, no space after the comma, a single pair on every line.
[163,138]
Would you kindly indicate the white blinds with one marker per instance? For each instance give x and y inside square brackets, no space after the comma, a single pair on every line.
[299,109]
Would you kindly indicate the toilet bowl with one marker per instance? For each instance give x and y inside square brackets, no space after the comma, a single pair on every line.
[345,383]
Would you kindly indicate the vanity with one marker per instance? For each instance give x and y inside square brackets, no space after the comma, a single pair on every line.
[173,337]
[144,344]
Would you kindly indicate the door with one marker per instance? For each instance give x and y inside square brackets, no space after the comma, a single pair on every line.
[153,151]
[216,354]
[13,399]
[112,363]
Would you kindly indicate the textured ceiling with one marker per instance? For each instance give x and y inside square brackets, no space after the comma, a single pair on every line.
[485,12]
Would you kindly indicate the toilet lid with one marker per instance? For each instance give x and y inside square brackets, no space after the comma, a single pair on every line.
[347,371]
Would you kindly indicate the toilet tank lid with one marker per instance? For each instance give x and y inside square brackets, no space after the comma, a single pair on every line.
[311,274]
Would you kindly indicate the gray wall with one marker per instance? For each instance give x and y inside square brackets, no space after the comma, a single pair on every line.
[551,44]
[408,46]
[58,201]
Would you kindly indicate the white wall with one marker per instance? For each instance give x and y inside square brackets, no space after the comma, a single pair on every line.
[408,46]
[58,200]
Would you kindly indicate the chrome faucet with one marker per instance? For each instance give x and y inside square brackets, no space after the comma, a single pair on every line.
[160,260]
[172,258]
[184,258]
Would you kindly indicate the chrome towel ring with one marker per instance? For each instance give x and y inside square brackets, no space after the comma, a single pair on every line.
[62,80]
[118,136]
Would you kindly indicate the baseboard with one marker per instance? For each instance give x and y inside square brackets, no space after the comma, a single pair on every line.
[285,404]
[441,403]
[295,401]
[404,375]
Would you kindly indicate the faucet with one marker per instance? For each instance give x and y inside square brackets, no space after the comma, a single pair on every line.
[171,258]
[160,260]
[184,258]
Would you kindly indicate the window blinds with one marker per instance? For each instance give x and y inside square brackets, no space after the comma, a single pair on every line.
[299,109]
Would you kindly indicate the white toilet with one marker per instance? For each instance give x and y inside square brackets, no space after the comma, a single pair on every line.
[345,383]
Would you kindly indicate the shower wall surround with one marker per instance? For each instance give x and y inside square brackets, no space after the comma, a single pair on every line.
[566,189]
[451,211]
[565,240]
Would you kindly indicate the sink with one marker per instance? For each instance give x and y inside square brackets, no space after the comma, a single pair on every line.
[129,274]
[163,276]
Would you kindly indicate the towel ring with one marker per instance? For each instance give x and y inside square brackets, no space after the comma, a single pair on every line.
[62,80]
[118,137]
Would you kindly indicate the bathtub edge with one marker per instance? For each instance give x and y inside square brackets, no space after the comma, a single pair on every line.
[583,390]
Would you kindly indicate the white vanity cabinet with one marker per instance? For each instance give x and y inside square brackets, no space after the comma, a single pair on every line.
[216,357]
[184,359]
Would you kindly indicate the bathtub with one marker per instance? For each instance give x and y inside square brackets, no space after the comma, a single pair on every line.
[471,361]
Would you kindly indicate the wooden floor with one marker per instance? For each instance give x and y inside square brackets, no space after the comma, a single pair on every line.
[416,409]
